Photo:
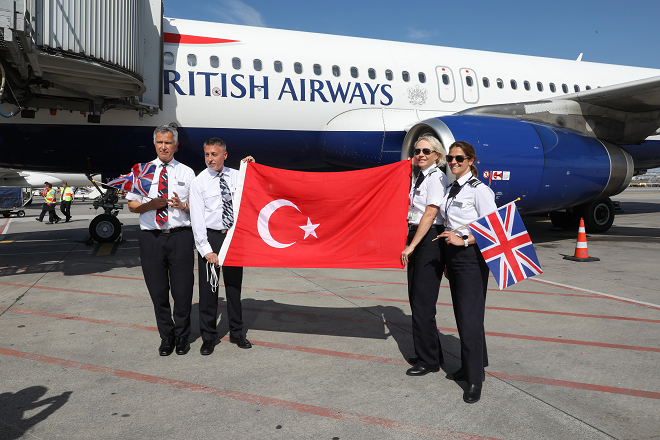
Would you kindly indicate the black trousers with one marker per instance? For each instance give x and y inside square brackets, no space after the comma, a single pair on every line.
[468,279]
[50,209]
[168,262]
[425,267]
[208,300]
[65,207]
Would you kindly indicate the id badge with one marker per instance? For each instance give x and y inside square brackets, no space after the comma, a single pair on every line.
[457,204]
[412,216]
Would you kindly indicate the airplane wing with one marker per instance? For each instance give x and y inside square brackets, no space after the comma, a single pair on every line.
[635,96]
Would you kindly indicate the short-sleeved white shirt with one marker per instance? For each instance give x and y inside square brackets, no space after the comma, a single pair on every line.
[206,204]
[429,192]
[179,179]
[473,201]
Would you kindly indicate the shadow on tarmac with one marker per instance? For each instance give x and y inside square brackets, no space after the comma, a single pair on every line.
[14,406]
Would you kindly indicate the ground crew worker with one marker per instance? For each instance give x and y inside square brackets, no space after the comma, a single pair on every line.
[211,212]
[67,200]
[166,242]
[49,205]
[466,200]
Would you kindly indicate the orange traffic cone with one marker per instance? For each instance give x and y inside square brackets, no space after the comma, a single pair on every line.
[581,251]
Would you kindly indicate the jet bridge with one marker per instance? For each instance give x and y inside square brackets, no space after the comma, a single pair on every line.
[81,55]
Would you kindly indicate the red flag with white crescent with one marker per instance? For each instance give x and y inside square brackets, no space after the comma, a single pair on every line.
[351,219]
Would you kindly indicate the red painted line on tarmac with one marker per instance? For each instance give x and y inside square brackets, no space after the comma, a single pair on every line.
[4,226]
[302,408]
[577,385]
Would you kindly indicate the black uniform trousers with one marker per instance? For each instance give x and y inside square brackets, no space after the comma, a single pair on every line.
[425,267]
[65,207]
[208,300]
[168,262]
[468,279]
[50,209]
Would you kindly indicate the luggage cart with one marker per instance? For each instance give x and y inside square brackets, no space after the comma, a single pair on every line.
[13,200]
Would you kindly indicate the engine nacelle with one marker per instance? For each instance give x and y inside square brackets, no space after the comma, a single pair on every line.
[548,167]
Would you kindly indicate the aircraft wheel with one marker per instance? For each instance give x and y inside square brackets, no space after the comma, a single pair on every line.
[21,213]
[105,228]
[598,216]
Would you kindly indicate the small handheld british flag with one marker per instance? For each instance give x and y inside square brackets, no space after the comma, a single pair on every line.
[506,246]
[138,181]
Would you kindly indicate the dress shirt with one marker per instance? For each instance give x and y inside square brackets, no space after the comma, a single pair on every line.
[179,179]
[430,192]
[206,204]
[471,203]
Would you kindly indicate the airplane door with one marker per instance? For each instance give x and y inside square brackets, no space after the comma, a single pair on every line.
[470,86]
[446,88]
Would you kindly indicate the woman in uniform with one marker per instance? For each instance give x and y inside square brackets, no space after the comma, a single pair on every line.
[466,200]
[423,256]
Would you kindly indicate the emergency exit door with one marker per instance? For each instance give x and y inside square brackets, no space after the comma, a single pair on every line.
[470,86]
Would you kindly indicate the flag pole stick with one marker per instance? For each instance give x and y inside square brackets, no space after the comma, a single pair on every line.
[102,184]
[455,229]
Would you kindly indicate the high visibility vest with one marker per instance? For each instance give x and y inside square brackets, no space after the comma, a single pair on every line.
[50,197]
[67,194]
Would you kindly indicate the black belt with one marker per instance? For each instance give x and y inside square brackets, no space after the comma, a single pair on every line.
[414,227]
[217,231]
[168,231]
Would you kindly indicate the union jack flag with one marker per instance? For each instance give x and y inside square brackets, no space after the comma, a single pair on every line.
[138,181]
[506,246]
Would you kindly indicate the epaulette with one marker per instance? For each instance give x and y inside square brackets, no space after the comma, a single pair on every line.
[432,171]
[474,182]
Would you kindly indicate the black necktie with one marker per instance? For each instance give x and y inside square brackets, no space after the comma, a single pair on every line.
[419,180]
[455,188]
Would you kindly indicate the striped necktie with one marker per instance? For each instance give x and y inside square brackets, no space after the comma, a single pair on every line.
[161,214]
[227,205]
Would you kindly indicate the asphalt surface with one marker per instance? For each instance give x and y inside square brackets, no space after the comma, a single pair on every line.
[573,352]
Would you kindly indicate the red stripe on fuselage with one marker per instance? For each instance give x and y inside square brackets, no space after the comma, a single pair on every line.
[169,37]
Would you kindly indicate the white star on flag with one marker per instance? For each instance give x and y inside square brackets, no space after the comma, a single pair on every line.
[309,228]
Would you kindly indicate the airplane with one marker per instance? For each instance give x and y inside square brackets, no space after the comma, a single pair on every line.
[563,135]
[34,179]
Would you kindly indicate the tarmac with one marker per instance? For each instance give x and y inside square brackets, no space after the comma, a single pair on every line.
[573,352]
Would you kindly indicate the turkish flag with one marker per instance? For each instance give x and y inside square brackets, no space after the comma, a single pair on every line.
[351,219]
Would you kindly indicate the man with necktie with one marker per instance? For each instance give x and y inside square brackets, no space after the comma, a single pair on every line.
[212,215]
[166,242]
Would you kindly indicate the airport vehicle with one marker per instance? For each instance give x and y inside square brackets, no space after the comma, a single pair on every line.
[13,200]
[562,135]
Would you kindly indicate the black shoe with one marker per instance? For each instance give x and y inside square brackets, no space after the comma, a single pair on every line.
[472,393]
[241,341]
[67,220]
[207,348]
[57,220]
[166,347]
[39,220]
[49,223]
[459,375]
[419,370]
[182,345]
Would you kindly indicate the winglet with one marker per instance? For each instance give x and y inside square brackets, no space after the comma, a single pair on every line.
[579,58]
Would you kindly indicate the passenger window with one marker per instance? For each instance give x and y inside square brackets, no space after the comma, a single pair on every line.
[389,75]
[192,60]
[445,79]
[336,71]
[576,88]
[514,84]
[277,65]
[372,73]
[215,62]
[257,65]
[588,87]
[405,75]
[236,63]
[354,72]
[500,83]
[468,81]
[553,89]
[527,86]
[539,86]
[168,58]
[422,77]
[317,69]
[564,87]
[297,67]
[486,82]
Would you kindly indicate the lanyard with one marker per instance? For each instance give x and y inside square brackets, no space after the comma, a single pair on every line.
[450,201]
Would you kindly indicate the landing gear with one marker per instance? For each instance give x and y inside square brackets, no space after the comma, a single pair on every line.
[106,228]
[598,216]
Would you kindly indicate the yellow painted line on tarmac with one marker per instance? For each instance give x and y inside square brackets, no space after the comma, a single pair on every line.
[17,238]
[104,249]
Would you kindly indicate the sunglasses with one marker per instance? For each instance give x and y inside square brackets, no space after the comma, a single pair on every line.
[460,158]
[426,151]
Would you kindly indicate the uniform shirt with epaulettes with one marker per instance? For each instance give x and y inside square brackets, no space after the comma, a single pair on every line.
[428,189]
[206,204]
[473,200]
[179,179]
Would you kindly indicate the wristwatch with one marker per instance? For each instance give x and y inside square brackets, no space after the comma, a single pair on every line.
[465,240]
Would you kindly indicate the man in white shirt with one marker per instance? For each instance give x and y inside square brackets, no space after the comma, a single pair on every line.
[212,215]
[166,242]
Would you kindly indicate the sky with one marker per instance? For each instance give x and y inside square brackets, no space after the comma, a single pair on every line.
[606,31]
